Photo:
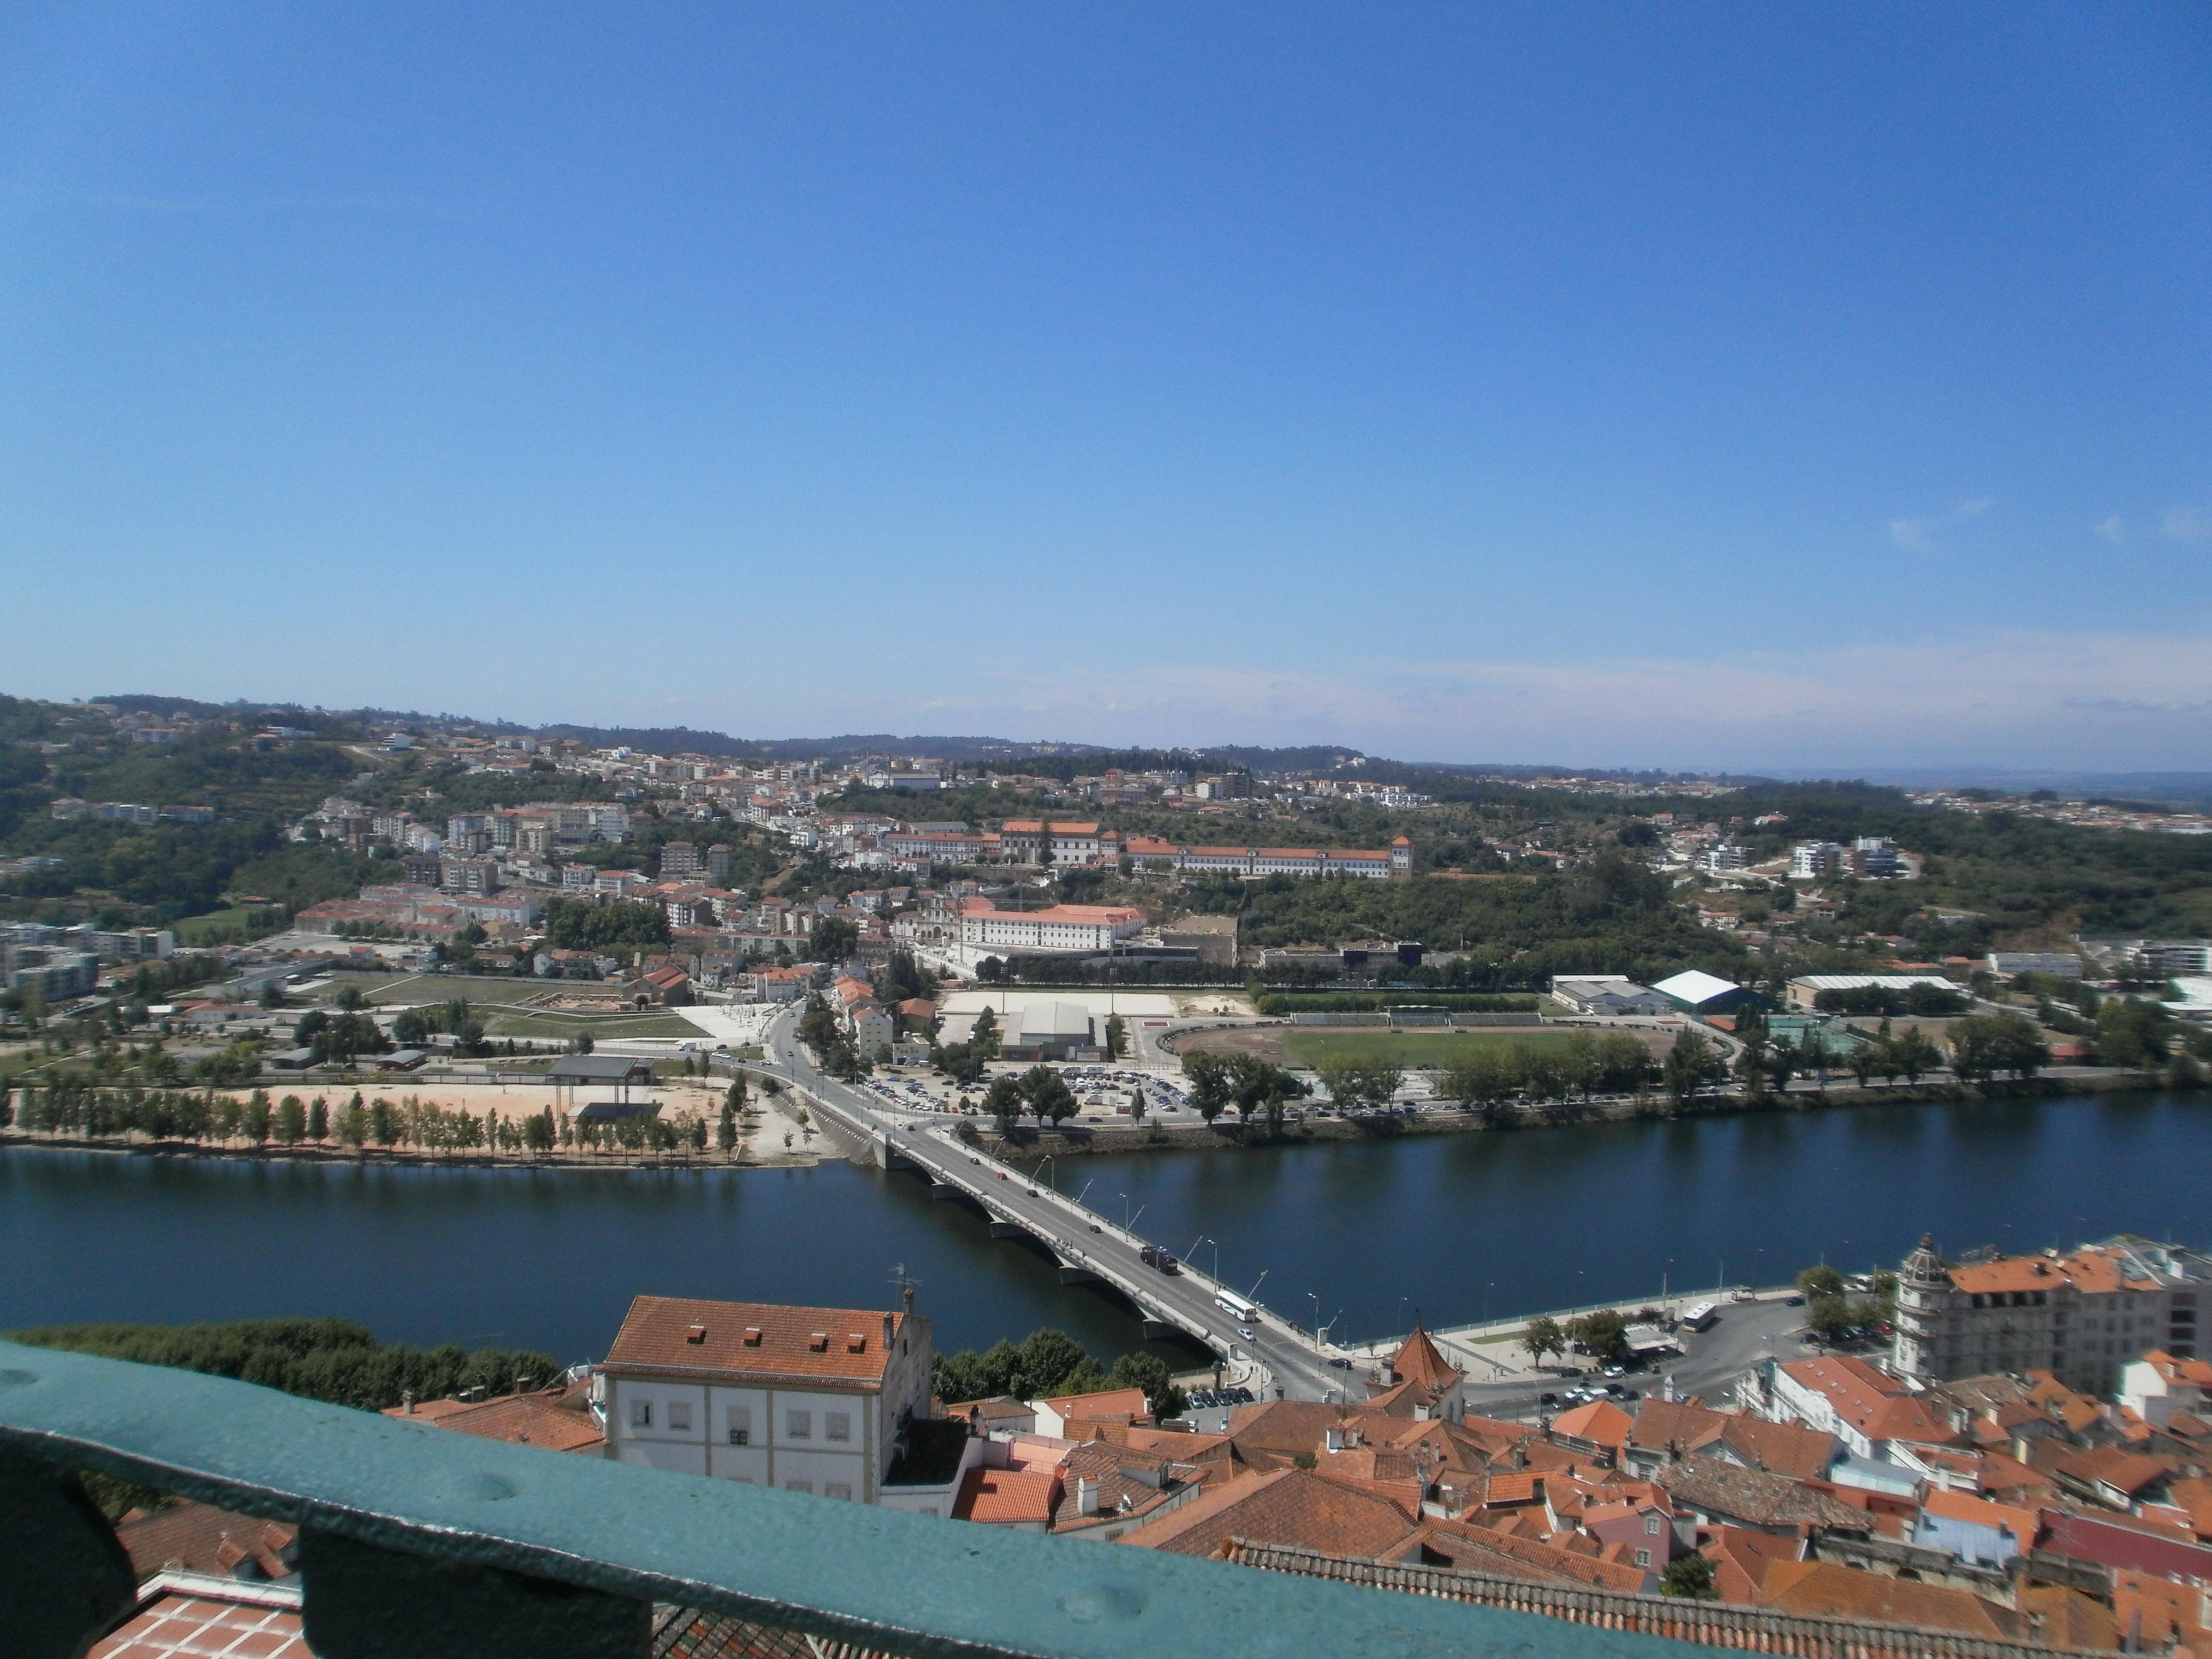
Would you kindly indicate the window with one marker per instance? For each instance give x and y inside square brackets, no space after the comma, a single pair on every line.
[806,1486]
[1650,1526]
[838,1489]
[837,1426]
[1644,1557]
[799,1425]
[641,1413]
[741,1425]
[679,1415]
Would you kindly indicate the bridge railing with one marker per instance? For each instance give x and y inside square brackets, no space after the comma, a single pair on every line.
[435,1545]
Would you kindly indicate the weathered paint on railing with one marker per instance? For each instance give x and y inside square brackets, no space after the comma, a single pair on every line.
[492,1520]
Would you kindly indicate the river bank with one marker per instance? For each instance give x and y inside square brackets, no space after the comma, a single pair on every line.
[1155,1137]
[315,1153]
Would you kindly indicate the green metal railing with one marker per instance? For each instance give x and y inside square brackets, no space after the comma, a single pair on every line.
[420,1545]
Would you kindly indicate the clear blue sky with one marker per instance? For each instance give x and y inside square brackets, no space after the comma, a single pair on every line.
[1786,385]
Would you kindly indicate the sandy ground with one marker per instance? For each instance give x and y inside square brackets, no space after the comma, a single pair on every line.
[763,1131]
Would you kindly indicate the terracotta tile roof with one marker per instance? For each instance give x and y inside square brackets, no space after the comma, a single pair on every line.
[1110,1406]
[1287,1428]
[1461,1544]
[1828,1586]
[1289,1506]
[1008,1496]
[1419,1360]
[2154,1611]
[1740,1556]
[1871,1401]
[178,1625]
[2064,1617]
[2124,1471]
[1129,1485]
[1754,1497]
[1512,1486]
[1790,1449]
[1683,1425]
[1600,1422]
[753,1339]
[1178,1444]
[194,1537]
[2193,1497]
[527,1419]
[2092,1272]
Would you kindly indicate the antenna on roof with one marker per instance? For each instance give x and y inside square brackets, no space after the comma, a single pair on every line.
[908,1285]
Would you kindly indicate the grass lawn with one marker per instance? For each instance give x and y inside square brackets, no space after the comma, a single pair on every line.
[230,926]
[1408,1049]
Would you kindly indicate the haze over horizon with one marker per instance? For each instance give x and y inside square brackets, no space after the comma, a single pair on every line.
[1747,392]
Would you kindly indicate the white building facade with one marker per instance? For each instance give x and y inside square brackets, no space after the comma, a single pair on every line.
[805,1399]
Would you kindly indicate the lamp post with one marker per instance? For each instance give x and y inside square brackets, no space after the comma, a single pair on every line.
[1204,1239]
[1314,1296]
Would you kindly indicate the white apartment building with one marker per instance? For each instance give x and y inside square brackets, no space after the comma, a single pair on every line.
[1812,859]
[1061,927]
[810,1400]
[2082,1316]
[1397,860]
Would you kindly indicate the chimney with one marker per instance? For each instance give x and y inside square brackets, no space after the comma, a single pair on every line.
[1086,1495]
[889,1325]
[407,1400]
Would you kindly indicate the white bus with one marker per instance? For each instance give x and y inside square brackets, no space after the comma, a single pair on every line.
[1701,1317]
[1230,1301]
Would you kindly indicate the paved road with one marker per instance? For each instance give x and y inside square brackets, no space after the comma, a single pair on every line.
[1746,1334]
[1082,1236]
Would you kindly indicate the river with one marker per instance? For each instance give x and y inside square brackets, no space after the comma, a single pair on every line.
[1456,1226]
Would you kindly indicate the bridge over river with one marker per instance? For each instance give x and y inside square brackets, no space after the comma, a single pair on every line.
[1089,1248]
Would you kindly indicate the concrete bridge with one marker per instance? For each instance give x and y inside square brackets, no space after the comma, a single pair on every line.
[1088,1248]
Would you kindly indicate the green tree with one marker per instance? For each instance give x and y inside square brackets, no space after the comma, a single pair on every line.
[319,1119]
[1544,1336]
[1604,1332]
[983,1035]
[832,938]
[1689,1579]
[1149,1372]
[1209,1083]
[1005,1101]
[1117,1037]
[254,1121]
[1048,1095]
[1691,1065]
[291,1120]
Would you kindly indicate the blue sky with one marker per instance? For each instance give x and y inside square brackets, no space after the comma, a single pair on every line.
[1804,386]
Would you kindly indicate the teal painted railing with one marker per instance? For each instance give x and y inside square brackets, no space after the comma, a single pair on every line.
[417,1544]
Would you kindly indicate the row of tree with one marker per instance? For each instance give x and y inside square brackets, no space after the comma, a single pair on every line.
[1259,1088]
[1049,1364]
[331,1359]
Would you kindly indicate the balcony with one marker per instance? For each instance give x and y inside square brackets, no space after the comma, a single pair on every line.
[421,1546]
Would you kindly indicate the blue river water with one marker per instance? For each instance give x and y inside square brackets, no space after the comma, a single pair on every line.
[1454,1227]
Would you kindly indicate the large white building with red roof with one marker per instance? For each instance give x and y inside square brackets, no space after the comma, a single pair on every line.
[1152,852]
[2082,1316]
[810,1400]
[1064,928]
